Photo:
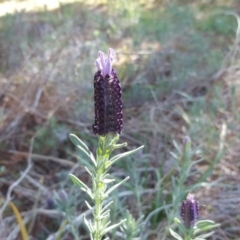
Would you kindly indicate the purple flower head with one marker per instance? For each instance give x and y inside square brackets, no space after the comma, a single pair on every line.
[107,97]
[189,211]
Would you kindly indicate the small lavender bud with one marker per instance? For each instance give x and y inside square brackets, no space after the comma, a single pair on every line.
[189,211]
[63,196]
[50,203]
[187,146]
[186,140]
[107,97]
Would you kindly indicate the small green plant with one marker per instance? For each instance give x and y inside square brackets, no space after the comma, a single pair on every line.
[190,228]
[131,227]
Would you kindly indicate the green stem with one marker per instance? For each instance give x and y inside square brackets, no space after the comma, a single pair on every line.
[106,145]
[101,223]
[188,235]
[99,189]
[98,206]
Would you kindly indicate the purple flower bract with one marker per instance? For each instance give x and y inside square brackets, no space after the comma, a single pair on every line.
[107,97]
[189,211]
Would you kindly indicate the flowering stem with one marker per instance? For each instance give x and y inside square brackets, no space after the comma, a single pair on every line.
[108,125]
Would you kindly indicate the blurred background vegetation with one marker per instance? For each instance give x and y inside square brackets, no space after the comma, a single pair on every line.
[178,62]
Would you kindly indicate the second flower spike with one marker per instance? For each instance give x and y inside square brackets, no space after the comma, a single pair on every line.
[189,211]
[107,97]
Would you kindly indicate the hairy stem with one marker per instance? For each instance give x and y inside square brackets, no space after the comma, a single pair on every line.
[99,188]
[98,206]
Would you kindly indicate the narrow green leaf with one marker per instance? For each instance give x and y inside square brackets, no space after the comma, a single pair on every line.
[105,214]
[91,226]
[88,224]
[83,147]
[206,228]
[83,150]
[88,171]
[108,180]
[178,222]
[204,236]
[174,155]
[76,180]
[120,145]
[106,230]
[79,183]
[89,154]
[88,205]
[203,223]
[107,224]
[218,156]
[119,156]
[77,141]
[115,186]
[175,235]
[106,206]
[176,145]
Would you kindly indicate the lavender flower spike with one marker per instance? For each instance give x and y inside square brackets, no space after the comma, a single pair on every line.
[189,211]
[107,97]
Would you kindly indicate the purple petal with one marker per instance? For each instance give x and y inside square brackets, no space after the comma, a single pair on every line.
[101,57]
[104,64]
[98,64]
[107,68]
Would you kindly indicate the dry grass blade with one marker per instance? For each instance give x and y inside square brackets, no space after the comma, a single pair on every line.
[21,224]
